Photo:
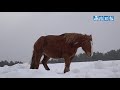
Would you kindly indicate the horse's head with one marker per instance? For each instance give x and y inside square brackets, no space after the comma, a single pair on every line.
[87,45]
[79,40]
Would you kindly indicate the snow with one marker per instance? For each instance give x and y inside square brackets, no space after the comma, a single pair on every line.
[95,69]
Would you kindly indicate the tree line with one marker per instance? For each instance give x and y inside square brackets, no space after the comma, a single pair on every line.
[110,55]
[3,63]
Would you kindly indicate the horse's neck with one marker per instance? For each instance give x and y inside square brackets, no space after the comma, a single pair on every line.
[77,44]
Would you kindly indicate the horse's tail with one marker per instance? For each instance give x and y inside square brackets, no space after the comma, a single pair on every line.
[37,53]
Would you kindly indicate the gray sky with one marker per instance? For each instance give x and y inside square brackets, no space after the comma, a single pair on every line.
[19,31]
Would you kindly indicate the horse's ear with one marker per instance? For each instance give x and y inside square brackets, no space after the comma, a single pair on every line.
[90,37]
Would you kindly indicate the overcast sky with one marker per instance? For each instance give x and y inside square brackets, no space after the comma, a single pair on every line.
[19,31]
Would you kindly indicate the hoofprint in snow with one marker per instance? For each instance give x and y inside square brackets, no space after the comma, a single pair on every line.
[96,69]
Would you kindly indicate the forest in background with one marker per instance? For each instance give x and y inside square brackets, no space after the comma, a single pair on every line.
[110,55]
[5,62]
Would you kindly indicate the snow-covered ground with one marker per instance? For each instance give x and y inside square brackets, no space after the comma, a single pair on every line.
[96,69]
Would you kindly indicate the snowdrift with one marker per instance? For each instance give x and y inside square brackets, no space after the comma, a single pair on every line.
[96,69]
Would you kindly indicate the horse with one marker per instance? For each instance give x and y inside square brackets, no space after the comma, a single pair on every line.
[60,46]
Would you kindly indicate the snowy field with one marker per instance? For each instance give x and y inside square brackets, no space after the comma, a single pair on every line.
[96,69]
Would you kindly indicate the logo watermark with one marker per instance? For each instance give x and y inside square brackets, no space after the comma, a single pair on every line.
[103,18]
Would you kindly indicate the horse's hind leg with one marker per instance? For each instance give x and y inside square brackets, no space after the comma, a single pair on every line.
[44,62]
[37,53]
[35,60]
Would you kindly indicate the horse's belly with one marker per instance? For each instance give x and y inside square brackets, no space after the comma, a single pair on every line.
[53,53]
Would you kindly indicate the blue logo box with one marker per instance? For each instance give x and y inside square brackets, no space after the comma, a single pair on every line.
[103,18]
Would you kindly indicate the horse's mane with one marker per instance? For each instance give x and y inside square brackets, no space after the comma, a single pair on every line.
[71,37]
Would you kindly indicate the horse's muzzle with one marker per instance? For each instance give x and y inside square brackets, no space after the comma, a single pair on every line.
[89,54]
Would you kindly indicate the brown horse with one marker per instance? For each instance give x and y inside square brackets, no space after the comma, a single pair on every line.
[60,46]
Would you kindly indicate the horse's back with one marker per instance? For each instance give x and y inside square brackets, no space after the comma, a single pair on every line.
[54,38]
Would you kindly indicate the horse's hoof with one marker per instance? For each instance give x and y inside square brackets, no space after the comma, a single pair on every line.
[66,70]
[48,69]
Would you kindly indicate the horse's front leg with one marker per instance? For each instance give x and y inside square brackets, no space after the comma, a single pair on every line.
[67,64]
